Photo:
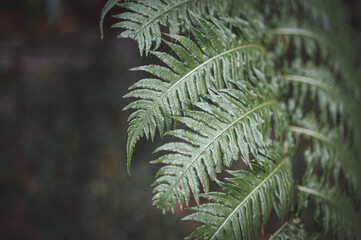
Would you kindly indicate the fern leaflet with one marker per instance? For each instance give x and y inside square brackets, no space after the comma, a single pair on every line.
[226,126]
[234,214]
[146,28]
[337,210]
[333,154]
[290,230]
[205,64]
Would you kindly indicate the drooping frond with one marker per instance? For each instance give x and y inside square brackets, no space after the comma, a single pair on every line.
[305,29]
[290,230]
[247,202]
[107,7]
[315,46]
[315,88]
[302,12]
[328,148]
[306,44]
[334,210]
[212,61]
[235,75]
[143,19]
[225,126]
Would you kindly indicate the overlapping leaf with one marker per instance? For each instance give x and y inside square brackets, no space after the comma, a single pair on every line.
[331,151]
[300,11]
[291,230]
[226,126]
[312,89]
[247,202]
[143,19]
[212,61]
[302,29]
[213,55]
[334,210]
[312,45]
[304,43]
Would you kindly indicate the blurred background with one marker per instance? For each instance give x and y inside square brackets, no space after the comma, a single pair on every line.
[63,132]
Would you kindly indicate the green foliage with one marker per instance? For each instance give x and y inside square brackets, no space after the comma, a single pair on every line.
[107,7]
[315,84]
[246,81]
[326,148]
[226,126]
[334,209]
[291,230]
[204,64]
[246,202]
[146,28]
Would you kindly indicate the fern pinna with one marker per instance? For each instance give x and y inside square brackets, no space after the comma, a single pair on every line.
[270,84]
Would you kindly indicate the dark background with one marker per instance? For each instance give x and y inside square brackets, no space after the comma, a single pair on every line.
[63,132]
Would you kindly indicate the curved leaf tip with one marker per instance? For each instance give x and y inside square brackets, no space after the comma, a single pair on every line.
[109,5]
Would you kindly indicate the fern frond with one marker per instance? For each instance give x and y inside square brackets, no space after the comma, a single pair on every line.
[315,87]
[107,7]
[239,78]
[290,230]
[315,46]
[300,11]
[310,29]
[225,126]
[334,210]
[247,202]
[305,43]
[302,26]
[143,19]
[334,153]
[212,61]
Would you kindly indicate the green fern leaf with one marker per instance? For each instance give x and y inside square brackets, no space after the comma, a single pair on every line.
[236,214]
[107,7]
[334,210]
[318,86]
[308,44]
[290,230]
[303,12]
[211,62]
[225,126]
[143,19]
[333,152]
[236,75]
